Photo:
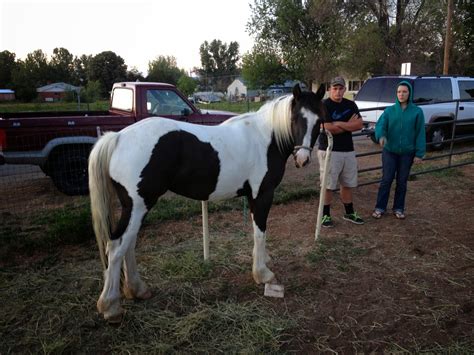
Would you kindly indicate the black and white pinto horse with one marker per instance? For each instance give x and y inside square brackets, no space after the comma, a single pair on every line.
[244,156]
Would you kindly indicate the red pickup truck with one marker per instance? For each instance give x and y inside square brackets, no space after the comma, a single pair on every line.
[60,142]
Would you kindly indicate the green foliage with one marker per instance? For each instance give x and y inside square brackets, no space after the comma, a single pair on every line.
[219,64]
[7,65]
[186,85]
[164,69]
[61,66]
[92,92]
[262,68]
[107,68]
[30,74]
[135,75]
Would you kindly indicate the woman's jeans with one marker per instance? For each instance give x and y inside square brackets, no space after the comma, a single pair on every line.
[398,165]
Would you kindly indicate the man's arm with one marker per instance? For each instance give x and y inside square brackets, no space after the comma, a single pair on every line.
[354,124]
[333,128]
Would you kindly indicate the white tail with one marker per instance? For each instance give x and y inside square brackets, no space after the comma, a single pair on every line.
[102,191]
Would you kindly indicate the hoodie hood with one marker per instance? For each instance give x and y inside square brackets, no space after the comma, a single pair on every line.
[410,96]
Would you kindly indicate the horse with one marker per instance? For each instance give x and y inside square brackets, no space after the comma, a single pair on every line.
[243,156]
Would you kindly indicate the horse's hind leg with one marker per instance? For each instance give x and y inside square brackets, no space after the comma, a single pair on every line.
[133,286]
[260,208]
[123,239]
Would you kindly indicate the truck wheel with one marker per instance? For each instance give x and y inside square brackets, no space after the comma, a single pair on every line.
[437,136]
[68,170]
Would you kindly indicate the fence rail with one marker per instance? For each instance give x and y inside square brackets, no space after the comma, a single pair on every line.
[29,187]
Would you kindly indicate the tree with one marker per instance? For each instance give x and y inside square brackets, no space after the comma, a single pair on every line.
[135,75]
[219,64]
[107,68]
[7,65]
[62,66]
[30,74]
[306,34]
[186,84]
[262,68]
[164,69]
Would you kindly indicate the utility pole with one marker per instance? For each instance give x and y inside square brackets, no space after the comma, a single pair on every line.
[447,42]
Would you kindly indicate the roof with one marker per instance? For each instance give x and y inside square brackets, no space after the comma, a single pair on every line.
[58,87]
[6,91]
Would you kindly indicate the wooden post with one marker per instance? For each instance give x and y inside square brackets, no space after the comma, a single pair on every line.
[324,178]
[205,229]
[447,43]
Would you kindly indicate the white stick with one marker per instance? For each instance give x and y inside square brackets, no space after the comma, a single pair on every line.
[322,193]
[205,230]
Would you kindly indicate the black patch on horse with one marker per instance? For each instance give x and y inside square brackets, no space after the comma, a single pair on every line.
[127,204]
[260,207]
[180,162]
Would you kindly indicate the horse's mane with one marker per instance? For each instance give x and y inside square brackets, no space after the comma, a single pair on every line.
[278,114]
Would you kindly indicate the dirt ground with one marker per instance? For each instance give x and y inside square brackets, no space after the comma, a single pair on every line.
[386,286]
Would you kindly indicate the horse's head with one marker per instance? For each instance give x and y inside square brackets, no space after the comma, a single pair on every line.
[307,111]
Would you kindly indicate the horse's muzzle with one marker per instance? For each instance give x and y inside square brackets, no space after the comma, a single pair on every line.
[302,155]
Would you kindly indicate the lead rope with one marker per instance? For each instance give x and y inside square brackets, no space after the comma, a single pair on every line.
[323,185]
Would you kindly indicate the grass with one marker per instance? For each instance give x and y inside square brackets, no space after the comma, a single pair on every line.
[338,251]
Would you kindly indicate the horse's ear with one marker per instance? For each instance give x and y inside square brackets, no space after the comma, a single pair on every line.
[296,91]
[321,91]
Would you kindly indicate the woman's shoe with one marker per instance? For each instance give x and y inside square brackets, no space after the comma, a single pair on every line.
[377,214]
[399,215]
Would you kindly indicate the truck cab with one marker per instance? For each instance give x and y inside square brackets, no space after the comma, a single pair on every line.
[60,142]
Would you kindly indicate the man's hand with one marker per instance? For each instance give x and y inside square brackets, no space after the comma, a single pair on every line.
[417,160]
[382,141]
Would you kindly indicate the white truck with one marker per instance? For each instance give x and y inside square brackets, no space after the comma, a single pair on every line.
[431,93]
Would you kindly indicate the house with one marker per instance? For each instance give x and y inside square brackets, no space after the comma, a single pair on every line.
[7,95]
[55,91]
[238,90]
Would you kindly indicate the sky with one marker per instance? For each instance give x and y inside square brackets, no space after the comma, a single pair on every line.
[138,31]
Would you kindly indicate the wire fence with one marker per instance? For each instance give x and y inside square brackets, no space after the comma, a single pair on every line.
[59,173]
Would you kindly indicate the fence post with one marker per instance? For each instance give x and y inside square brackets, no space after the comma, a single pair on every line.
[453,133]
[205,230]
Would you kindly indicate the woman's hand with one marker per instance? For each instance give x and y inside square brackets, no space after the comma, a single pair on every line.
[417,160]
[382,141]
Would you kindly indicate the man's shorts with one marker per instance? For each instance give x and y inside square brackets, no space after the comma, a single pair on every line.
[342,169]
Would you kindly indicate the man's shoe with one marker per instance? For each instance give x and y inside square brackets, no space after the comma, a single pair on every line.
[327,221]
[354,218]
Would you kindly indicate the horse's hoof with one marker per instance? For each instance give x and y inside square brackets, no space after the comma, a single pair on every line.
[145,295]
[115,319]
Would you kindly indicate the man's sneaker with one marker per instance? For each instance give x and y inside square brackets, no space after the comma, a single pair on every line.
[327,221]
[354,218]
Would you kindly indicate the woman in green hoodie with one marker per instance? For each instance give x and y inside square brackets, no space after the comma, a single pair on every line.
[401,133]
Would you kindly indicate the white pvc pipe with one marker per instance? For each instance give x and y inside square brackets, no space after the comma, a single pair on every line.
[205,230]
[322,193]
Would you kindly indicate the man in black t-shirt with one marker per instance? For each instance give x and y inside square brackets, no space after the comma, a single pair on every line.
[343,118]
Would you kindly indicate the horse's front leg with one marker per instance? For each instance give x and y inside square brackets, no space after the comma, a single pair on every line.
[259,209]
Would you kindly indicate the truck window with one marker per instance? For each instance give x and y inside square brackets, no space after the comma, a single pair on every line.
[389,89]
[370,91]
[426,90]
[122,99]
[166,103]
[466,89]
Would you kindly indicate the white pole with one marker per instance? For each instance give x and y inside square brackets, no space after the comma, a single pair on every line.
[205,230]
[323,185]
